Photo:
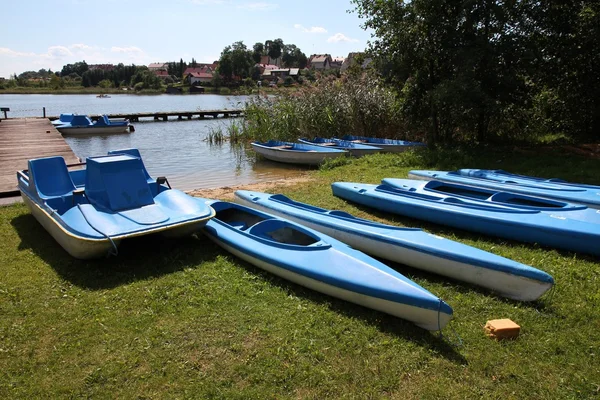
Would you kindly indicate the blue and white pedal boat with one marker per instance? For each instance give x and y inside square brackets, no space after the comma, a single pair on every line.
[410,246]
[322,263]
[355,149]
[387,145]
[83,125]
[295,153]
[90,211]
[529,185]
[508,215]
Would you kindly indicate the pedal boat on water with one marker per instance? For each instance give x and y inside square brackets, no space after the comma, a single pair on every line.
[508,215]
[410,246]
[321,263]
[90,211]
[83,125]
[580,193]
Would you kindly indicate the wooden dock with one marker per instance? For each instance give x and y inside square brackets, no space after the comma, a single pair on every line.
[164,115]
[22,139]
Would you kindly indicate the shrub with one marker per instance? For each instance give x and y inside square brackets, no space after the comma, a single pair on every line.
[333,108]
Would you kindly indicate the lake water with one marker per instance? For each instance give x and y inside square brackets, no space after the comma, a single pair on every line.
[175,149]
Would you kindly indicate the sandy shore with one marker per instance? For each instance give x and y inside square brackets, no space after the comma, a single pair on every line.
[226,192]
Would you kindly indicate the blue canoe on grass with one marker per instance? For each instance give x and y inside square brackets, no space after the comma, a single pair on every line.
[321,263]
[355,149]
[89,211]
[410,246]
[389,145]
[502,180]
[295,153]
[508,215]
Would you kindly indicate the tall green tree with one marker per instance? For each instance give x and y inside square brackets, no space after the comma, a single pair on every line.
[292,56]
[460,65]
[274,48]
[258,50]
[236,62]
[567,36]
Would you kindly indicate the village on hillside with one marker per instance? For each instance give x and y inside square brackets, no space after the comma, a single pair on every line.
[177,76]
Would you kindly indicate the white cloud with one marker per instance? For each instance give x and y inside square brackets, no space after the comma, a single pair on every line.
[261,6]
[11,53]
[340,37]
[312,29]
[58,52]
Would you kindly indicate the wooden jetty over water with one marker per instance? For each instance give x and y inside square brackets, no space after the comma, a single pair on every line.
[22,139]
[164,115]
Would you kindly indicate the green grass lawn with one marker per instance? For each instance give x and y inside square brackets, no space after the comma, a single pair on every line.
[184,319]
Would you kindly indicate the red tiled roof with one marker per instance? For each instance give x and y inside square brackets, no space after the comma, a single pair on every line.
[200,74]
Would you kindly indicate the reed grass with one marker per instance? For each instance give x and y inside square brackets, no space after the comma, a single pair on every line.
[333,108]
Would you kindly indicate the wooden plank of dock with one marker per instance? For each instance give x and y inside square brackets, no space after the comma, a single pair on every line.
[22,139]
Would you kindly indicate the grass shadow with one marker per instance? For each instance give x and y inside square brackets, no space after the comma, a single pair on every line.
[384,322]
[139,258]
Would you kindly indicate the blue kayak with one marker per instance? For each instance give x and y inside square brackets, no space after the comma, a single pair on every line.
[356,149]
[89,211]
[410,246]
[502,180]
[509,215]
[321,263]
[389,145]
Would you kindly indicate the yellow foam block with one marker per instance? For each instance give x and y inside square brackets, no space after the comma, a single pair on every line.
[502,329]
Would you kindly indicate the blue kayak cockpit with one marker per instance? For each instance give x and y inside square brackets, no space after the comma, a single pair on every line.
[263,226]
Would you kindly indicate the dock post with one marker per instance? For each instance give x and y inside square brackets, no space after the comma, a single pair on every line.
[44,110]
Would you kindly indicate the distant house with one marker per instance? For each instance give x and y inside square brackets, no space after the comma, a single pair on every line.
[201,68]
[157,66]
[197,78]
[161,73]
[319,61]
[336,62]
[351,59]
[266,60]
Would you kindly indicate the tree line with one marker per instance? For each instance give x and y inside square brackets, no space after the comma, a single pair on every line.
[488,69]
[238,62]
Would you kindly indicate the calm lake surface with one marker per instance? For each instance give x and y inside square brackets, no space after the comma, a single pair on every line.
[175,149]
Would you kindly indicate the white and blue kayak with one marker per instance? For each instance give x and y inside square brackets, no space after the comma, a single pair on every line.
[502,180]
[508,215]
[355,149]
[295,153]
[410,246]
[321,263]
[388,145]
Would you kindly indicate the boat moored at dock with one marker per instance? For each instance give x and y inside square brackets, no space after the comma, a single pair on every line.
[83,125]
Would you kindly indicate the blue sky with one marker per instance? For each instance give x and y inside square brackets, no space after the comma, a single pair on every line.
[51,33]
